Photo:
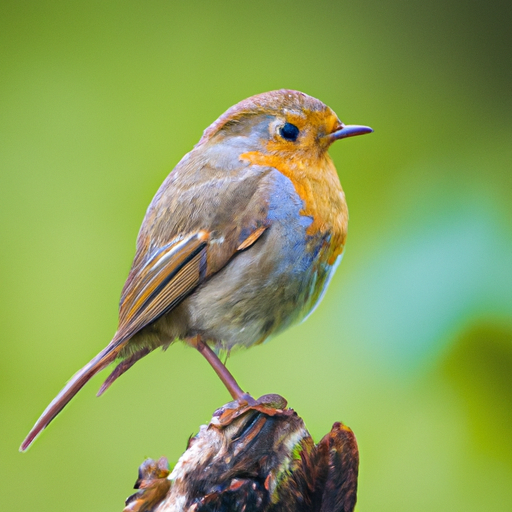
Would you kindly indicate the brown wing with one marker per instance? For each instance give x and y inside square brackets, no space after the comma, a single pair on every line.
[192,229]
[168,276]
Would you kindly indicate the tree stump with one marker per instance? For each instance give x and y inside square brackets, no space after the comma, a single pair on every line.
[254,459]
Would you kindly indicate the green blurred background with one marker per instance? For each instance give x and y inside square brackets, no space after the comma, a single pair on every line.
[412,346]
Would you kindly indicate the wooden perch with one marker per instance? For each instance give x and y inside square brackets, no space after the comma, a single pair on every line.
[254,459]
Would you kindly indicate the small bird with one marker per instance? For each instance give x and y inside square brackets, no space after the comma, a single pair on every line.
[240,241]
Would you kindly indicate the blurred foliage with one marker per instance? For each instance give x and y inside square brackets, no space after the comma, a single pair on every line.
[412,345]
[479,367]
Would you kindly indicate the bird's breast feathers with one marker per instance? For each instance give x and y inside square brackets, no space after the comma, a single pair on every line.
[317,184]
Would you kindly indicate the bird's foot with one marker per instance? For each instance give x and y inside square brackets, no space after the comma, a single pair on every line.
[246,400]
[266,404]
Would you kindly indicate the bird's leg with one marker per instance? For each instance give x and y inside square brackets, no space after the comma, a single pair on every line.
[224,374]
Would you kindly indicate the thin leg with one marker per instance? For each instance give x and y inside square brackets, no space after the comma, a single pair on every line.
[225,376]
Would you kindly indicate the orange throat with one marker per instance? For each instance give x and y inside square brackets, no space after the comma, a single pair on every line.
[317,184]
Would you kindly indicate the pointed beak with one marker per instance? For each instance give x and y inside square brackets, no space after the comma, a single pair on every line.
[351,130]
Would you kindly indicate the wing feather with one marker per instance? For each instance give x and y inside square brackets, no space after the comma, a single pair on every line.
[166,279]
[174,258]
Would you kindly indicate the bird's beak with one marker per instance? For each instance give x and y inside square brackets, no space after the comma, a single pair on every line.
[343,131]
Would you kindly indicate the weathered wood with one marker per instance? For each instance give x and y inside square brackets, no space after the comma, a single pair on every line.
[254,459]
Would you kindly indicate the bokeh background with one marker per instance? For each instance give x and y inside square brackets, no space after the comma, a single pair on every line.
[412,346]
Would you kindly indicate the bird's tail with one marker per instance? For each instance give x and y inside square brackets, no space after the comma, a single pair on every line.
[103,359]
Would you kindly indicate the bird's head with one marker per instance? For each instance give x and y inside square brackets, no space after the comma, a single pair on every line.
[283,122]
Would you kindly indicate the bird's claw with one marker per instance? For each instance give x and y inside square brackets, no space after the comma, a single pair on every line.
[266,404]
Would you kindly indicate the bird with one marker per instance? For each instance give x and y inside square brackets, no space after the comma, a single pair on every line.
[240,241]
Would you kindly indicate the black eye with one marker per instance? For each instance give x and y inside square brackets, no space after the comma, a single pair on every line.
[289,132]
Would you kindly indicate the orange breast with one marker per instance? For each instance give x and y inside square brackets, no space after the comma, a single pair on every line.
[316,182]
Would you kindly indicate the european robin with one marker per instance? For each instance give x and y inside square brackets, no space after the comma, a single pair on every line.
[240,241]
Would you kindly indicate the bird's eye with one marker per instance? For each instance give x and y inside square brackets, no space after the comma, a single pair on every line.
[289,132]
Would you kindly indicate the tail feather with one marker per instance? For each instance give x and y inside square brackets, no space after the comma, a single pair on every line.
[103,359]
[122,367]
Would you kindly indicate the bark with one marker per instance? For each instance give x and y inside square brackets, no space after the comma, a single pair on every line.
[254,459]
